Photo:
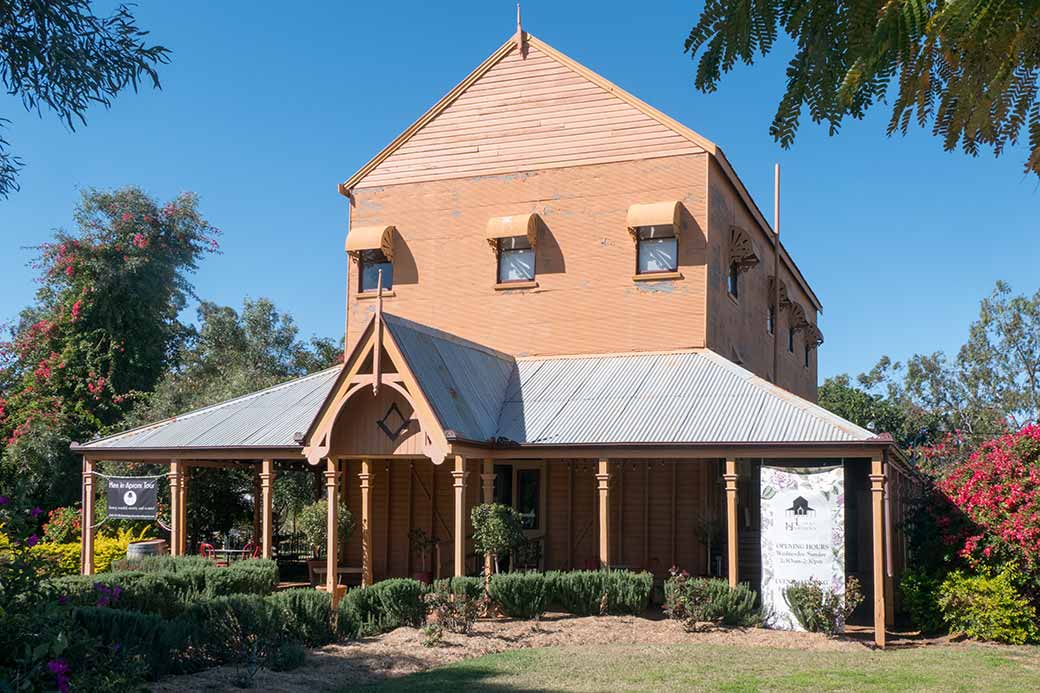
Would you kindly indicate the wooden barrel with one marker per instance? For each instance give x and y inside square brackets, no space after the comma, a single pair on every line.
[150,547]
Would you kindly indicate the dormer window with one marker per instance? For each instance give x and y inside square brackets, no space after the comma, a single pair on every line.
[514,240]
[372,247]
[370,263]
[515,260]
[657,251]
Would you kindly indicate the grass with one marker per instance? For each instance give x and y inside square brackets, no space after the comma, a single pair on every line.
[702,667]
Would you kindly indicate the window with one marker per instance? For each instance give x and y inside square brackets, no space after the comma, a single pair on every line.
[515,260]
[790,339]
[806,355]
[657,249]
[370,262]
[520,487]
[771,320]
[734,280]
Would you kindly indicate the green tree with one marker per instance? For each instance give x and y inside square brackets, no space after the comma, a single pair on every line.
[102,331]
[232,353]
[968,67]
[58,54]
[992,385]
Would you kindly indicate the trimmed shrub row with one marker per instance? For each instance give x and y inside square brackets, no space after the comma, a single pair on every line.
[169,592]
[693,600]
[382,607]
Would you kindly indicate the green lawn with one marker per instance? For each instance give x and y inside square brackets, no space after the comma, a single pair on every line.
[716,668]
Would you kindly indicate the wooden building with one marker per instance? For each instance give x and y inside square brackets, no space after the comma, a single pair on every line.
[564,300]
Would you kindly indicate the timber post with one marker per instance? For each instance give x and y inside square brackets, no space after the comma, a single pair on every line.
[87,519]
[182,548]
[267,477]
[603,489]
[877,492]
[366,521]
[732,549]
[459,475]
[175,508]
[332,544]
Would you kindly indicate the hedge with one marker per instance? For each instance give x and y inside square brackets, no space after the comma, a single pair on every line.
[470,587]
[306,615]
[520,595]
[381,607]
[591,592]
[63,559]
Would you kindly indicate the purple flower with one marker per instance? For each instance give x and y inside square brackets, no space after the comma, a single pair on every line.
[36,512]
[4,500]
[63,599]
[60,669]
[33,540]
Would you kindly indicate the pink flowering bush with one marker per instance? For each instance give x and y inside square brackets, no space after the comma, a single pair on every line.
[998,490]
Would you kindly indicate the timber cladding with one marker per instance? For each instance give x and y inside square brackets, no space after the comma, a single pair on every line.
[586,300]
[662,511]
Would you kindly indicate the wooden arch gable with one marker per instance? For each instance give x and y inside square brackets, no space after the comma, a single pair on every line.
[741,249]
[376,366]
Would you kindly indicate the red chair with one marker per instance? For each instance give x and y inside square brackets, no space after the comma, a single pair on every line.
[253,550]
[206,551]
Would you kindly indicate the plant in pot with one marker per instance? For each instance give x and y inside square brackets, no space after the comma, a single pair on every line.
[422,544]
[313,525]
[497,530]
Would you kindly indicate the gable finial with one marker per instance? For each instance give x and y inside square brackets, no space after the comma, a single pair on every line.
[521,43]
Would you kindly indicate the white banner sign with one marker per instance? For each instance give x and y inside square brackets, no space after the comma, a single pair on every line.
[803,534]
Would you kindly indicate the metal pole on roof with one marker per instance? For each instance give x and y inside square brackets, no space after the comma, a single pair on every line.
[776,272]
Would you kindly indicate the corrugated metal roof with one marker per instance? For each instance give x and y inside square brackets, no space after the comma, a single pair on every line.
[670,398]
[464,382]
[268,418]
[675,398]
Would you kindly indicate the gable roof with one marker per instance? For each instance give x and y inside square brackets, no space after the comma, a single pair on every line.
[485,397]
[416,169]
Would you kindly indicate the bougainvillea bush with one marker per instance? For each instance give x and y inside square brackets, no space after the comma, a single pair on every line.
[102,330]
[998,490]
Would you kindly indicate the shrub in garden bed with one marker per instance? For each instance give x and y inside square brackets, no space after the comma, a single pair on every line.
[988,606]
[520,595]
[818,608]
[452,607]
[306,615]
[472,587]
[693,600]
[593,592]
[381,607]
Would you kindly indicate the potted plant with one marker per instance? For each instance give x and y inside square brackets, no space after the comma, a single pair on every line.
[422,544]
[313,525]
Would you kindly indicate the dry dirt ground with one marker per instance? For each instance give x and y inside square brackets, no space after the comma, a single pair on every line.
[400,652]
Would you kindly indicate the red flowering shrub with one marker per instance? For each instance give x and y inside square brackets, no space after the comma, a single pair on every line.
[998,489]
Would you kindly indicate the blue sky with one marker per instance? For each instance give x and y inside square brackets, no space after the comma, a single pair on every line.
[264,110]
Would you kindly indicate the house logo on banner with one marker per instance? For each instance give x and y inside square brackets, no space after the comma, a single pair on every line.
[803,535]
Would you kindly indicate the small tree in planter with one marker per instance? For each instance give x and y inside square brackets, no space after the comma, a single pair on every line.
[422,544]
[497,530]
[313,525]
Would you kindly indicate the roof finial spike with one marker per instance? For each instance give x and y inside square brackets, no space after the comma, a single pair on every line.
[521,43]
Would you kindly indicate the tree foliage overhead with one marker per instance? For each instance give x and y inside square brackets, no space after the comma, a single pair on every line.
[968,67]
[59,55]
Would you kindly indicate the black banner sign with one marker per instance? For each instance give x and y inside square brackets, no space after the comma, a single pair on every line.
[131,498]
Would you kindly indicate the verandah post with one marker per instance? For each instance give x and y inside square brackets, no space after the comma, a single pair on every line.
[877,492]
[182,517]
[332,543]
[731,521]
[87,519]
[366,522]
[267,491]
[603,487]
[459,475]
[175,508]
